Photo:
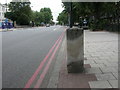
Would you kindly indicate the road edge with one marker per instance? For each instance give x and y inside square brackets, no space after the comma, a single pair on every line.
[54,79]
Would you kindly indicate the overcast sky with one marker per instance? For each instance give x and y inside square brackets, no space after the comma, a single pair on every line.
[36,5]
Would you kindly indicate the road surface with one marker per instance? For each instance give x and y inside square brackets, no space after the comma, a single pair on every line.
[28,56]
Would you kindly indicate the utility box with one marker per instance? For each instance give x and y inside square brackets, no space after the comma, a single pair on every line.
[75,50]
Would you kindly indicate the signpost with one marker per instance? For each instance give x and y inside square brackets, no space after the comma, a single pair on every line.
[71,17]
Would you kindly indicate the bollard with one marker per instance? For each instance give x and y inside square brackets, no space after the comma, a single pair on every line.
[75,54]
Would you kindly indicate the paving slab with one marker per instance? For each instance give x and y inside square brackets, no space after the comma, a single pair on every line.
[89,62]
[115,74]
[101,61]
[106,76]
[114,83]
[93,70]
[111,64]
[99,84]
[108,69]
[97,65]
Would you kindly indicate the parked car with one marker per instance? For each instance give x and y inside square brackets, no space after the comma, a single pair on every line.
[8,25]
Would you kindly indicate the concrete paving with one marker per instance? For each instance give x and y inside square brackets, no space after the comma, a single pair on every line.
[101,54]
[102,48]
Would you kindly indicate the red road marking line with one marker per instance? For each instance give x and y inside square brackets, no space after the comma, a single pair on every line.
[39,82]
[30,81]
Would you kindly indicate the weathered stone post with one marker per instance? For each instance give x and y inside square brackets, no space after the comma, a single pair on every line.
[75,54]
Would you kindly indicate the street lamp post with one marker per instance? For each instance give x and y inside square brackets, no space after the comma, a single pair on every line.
[117,15]
[71,17]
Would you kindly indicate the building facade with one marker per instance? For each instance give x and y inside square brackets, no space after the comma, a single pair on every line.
[2,12]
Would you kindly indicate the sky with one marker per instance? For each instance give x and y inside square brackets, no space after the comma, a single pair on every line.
[36,5]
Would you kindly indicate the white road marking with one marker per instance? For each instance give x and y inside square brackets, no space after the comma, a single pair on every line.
[55,29]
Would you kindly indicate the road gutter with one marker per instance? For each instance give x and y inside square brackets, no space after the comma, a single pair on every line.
[53,82]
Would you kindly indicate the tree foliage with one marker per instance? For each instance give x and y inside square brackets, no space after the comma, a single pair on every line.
[98,14]
[62,18]
[44,15]
[20,12]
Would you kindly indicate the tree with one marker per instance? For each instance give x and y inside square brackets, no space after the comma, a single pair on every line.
[62,18]
[20,12]
[43,16]
[38,17]
[47,14]
[98,14]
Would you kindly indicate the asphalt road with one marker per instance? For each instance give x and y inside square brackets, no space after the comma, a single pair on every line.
[22,53]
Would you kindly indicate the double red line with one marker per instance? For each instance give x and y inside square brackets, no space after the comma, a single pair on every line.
[39,81]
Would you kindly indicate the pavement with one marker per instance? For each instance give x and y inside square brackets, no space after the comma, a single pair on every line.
[101,51]
[25,50]
[101,63]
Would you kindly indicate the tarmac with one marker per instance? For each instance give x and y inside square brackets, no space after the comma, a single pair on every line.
[100,63]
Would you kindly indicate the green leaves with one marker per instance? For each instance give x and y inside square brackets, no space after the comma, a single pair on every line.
[23,19]
[20,12]
[98,14]
[62,18]
[45,15]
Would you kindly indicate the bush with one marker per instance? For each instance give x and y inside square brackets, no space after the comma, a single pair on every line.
[99,25]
